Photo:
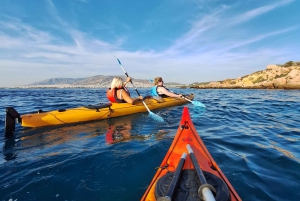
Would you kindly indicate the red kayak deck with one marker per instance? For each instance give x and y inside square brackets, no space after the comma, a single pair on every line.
[187,134]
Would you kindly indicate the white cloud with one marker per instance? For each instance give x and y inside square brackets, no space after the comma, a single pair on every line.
[202,51]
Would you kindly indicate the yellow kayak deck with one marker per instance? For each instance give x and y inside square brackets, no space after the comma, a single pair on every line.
[83,114]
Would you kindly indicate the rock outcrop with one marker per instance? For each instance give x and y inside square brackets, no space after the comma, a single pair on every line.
[273,77]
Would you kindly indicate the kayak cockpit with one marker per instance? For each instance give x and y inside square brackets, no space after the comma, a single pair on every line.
[187,188]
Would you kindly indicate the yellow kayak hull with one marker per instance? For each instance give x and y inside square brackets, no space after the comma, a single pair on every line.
[83,114]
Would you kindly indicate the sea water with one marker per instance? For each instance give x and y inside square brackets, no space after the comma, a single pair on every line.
[254,136]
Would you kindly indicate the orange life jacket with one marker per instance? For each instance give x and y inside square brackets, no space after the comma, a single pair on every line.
[111,95]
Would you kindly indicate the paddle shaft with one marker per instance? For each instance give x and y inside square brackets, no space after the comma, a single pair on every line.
[196,103]
[187,99]
[175,180]
[196,166]
[206,192]
[133,84]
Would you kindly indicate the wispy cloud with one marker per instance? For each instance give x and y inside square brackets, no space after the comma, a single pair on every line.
[219,22]
[243,17]
[53,12]
[210,45]
[257,38]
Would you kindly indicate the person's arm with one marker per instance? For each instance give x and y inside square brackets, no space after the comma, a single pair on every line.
[168,93]
[127,80]
[128,99]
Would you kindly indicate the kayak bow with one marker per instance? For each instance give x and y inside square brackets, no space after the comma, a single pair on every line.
[200,178]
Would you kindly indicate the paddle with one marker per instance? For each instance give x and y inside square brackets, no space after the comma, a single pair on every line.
[154,116]
[205,189]
[196,103]
[174,181]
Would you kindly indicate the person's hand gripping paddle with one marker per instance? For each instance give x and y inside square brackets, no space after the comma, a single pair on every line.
[154,116]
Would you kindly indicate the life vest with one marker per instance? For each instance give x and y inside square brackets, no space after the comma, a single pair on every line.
[111,95]
[155,93]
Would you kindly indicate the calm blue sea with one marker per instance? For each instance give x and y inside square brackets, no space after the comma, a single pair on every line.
[254,136]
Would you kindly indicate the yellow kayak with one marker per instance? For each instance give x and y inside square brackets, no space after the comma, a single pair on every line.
[95,112]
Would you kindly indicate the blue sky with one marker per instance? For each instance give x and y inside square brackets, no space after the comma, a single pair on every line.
[184,41]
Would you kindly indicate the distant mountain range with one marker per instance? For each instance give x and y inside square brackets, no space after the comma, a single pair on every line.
[54,81]
[98,80]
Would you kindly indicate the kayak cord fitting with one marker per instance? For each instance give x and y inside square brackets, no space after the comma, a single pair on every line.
[10,121]
[185,125]
[164,167]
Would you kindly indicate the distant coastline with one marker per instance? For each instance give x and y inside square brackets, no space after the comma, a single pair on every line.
[137,84]
[98,81]
[286,76]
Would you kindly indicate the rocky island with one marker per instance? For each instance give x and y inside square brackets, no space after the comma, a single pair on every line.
[286,76]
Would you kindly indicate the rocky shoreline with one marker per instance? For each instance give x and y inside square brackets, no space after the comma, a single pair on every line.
[273,77]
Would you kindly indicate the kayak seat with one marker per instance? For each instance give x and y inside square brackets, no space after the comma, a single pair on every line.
[158,99]
[189,184]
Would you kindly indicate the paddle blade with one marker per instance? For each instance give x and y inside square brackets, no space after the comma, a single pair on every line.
[156,117]
[118,60]
[197,103]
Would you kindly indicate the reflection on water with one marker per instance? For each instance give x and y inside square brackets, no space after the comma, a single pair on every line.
[121,129]
[8,149]
[38,143]
[118,130]
[53,136]
[67,137]
[283,151]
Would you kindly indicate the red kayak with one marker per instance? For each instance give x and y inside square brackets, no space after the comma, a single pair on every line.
[188,171]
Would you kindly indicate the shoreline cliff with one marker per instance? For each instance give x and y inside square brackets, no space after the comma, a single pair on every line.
[285,76]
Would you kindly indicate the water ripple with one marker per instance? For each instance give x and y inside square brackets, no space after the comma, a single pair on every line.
[252,134]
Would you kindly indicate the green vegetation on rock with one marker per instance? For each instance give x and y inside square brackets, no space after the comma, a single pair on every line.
[280,76]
